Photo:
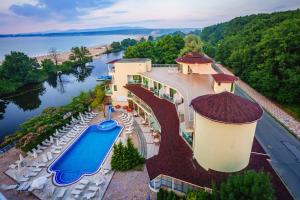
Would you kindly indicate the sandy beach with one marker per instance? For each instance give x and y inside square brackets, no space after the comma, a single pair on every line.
[95,51]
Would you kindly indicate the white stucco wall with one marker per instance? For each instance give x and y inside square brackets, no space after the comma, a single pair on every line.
[223,87]
[222,147]
[205,68]
[120,78]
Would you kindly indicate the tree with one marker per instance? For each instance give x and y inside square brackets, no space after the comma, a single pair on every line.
[150,38]
[80,55]
[128,42]
[48,66]
[16,66]
[54,55]
[125,157]
[116,47]
[247,185]
[192,43]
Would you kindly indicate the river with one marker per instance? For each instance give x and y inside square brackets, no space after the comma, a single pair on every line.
[56,92]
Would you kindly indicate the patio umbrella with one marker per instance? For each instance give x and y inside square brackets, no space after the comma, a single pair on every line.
[39,183]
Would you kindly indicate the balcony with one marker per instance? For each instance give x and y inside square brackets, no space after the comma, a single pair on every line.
[167,97]
[131,81]
[108,92]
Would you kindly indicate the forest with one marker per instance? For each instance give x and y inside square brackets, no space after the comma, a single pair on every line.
[263,50]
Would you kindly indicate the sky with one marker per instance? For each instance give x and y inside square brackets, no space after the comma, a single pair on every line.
[25,16]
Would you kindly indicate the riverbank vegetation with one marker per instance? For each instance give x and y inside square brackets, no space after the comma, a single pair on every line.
[264,51]
[126,157]
[245,185]
[37,129]
[19,70]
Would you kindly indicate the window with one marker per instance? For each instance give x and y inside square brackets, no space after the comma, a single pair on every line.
[219,83]
[115,88]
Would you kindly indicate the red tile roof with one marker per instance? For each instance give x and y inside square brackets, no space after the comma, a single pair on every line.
[194,58]
[224,78]
[113,61]
[175,158]
[226,107]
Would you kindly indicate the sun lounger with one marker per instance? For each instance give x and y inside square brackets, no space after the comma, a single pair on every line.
[61,193]
[31,174]
[35,169]
[84,181]
[41,147]
[80,186]
[55,151]
[12,166]
[44,158]
[46,143]
[8,187]
[94,113]
[38,165]
[89,195]
[76,192]
[24,186]
[49,156]
[22,179]
[37,150]
[93,188]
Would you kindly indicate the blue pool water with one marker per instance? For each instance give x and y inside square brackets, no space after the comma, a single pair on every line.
[84,156]
[106,125]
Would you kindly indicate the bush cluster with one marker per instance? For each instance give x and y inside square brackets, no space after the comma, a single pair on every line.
[125,157]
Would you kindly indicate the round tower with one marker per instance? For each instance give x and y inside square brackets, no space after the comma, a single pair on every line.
[224,127]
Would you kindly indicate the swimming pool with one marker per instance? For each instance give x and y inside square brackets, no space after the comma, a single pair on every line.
[84,156]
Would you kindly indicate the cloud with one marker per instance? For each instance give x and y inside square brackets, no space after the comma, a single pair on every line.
[58,9]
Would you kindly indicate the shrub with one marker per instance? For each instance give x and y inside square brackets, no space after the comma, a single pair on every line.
[125,157]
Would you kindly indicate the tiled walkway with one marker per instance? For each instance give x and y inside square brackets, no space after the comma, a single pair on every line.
[288,121]
[131,185]
[175,157]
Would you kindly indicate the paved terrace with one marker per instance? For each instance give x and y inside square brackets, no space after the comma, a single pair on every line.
[190,86]
[175,157]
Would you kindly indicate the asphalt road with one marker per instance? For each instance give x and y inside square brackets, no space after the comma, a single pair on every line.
[282,147]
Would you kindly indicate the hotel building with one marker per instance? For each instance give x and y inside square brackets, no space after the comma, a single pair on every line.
[206,130]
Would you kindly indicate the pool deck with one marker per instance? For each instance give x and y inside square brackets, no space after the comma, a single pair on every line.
[104,174]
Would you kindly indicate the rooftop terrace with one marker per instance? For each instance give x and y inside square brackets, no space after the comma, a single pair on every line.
[189,86]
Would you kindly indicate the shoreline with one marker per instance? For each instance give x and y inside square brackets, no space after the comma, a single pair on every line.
[96,52]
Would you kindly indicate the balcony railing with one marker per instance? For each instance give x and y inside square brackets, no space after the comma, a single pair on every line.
[134,81]
[166,65]
[167,97]
[174,184]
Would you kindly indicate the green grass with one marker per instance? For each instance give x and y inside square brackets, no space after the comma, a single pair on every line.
[292,109]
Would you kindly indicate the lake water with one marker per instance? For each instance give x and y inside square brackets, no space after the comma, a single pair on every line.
[56,92]
[34,46]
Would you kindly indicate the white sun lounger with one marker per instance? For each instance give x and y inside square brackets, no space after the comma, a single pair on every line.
[24,186]
[22,179]
[93,188]
[37,150]
[35,169]
[84,181]
[55,151]
[49,156]
[80,186]
[8,187]
[31,174]
[61,193]
[94,113]
[76,192]
[44,158]
[89,195]
[46,143]
[41,147]
[12,166]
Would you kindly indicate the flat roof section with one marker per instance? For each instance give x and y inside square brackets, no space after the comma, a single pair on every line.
[133,60]
[189,86]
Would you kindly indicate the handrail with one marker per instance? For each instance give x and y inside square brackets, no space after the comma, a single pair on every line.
[165,65]
[169,182]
